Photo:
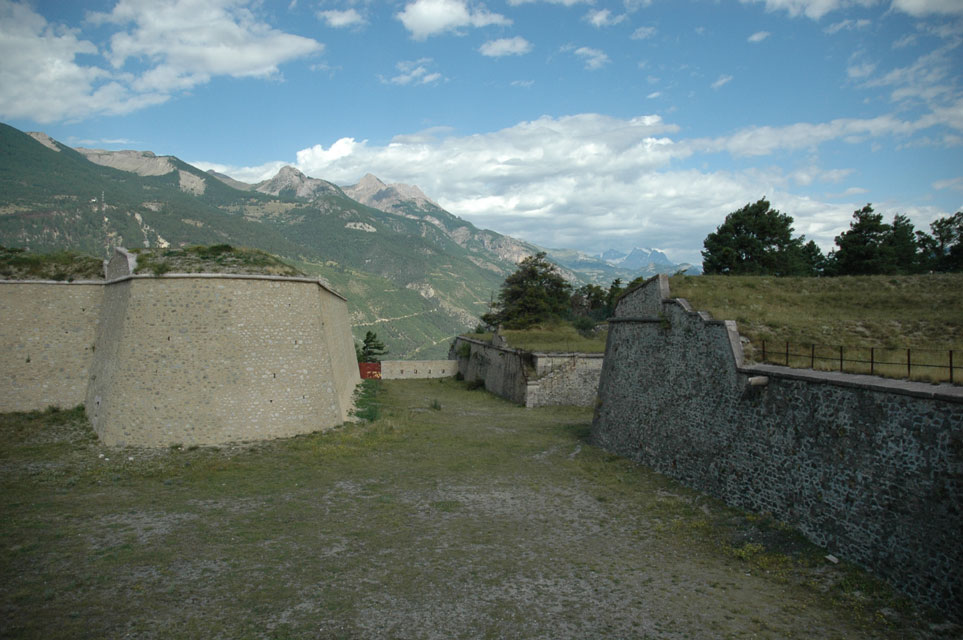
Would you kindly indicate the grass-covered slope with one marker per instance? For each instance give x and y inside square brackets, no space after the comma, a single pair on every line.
[453,515]
[888,313]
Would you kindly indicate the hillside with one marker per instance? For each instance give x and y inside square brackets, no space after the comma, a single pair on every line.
[413,272]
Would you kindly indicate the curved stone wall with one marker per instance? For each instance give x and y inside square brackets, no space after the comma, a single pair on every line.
[190,359]
[203,360]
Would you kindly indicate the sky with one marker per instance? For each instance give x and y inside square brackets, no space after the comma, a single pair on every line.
[582,124]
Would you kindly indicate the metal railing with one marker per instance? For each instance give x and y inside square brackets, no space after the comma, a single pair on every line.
[930,365]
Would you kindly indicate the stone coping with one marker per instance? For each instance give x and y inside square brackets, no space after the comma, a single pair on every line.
[941,391]
[203,276]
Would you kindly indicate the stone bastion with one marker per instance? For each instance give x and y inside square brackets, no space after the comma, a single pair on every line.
[180,358]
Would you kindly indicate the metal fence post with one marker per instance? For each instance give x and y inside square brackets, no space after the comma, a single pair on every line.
[840,358]
[787,353]
[909,366]
[812,356]
[951,366]
[872,360]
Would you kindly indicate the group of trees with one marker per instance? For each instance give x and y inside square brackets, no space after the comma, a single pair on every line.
[536,292]
[757,240]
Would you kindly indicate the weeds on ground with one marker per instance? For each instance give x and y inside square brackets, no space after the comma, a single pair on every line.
[367,405]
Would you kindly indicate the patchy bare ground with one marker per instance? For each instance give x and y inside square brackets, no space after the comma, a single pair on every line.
[476,520]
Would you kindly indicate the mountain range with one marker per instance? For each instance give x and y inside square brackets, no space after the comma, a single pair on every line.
[412,272]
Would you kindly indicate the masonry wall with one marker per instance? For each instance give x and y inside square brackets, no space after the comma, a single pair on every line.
[530,379]
[502,370]
[340,345]
[47,332]
[412,369]
[203,360]
[565,380]
[869,468]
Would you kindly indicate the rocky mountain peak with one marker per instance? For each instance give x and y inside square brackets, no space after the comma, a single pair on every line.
[289,179]
[391,198]
[44,139]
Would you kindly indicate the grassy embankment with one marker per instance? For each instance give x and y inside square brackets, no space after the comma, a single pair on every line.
[452,515]
[887,313]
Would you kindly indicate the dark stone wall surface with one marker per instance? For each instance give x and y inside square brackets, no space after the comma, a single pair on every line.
[868,468]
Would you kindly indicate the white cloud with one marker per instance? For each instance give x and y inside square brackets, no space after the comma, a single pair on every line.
[599,18]
[567,3]
[814,9]
[413,72]
[654,94]
[41,79]
[593,58]
[423,18]
[643,33]
[722,81]
[188,41]
[759,141]
[175,45]
[340,19]
[846,25]
[952,183]
[928,7]
[506,47]
[759,36]
[930,79]
[592,181]
[862,70]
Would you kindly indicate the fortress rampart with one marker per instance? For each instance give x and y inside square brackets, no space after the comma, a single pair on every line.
[186,358]
[530,379]
[870,468]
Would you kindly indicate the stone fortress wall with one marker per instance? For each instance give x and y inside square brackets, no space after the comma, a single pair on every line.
[530,379]
[47,334]
[417,369]
[871,469]
[190,359]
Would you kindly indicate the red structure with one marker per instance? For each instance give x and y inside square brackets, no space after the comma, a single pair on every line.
[370,370]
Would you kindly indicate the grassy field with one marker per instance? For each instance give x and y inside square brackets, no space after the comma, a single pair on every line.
[887,313]
[452,514]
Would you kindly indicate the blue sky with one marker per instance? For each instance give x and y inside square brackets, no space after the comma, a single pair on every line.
[568,123]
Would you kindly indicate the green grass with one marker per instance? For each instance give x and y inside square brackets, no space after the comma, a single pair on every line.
[888,313]
[20,264]
[472,518]
[555,337]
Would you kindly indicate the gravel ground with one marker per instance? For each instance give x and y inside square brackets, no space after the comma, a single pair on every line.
[477,520]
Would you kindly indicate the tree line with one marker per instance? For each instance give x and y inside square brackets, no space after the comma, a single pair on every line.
[758,240]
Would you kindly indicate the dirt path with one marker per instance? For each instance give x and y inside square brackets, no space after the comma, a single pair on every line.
[477,519]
